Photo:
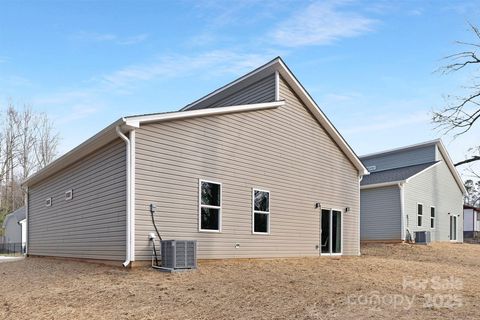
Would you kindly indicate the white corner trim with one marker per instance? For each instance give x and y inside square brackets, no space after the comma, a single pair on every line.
[137,120]
[402,211]
[277,86]
[451,166]
[132,194]
[420,172]
[382,184]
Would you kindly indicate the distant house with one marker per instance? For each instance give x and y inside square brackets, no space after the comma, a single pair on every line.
[254,169]
[15,227]
[471,222]
[412,189]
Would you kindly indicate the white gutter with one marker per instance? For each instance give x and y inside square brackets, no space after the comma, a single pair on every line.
[128,253]
[401,185]
[382,184]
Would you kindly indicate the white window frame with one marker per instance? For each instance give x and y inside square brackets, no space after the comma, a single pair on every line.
[200,206]
[260,212]
[48,202]
[434,218]
[68,198]
[419,215]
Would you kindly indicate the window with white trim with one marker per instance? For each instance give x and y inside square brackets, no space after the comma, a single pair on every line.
[419,214]
[48,202]
[432,217]
[210,211]
[261,211]
[68,195]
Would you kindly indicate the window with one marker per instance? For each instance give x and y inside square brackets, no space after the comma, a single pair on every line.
[68,195]
[432,217]
[210,214]
[48,202]
[419,214]
[261,211]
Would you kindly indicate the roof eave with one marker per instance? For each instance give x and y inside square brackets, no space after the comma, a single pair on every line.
[383,184]
[88,146]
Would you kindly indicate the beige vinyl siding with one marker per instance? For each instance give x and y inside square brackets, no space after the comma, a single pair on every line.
[92,224]
[282,150]
[258,92]
[435,187]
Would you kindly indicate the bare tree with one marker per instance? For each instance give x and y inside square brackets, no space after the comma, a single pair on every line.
[47,140]
[28,142]
[462,112]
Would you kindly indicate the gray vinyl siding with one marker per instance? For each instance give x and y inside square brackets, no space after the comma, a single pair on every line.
[13,230]
[258,92]
[380,210]
[93,224]
[402,158]
[282,150]
[435,187]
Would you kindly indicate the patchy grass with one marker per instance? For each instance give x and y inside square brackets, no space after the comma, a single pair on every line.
[366,287]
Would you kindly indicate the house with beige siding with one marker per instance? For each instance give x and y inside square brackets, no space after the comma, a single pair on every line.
[411,190]
[252,170]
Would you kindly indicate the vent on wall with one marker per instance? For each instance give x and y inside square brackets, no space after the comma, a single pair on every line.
[68,195]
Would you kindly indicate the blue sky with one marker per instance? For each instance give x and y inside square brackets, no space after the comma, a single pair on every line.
[368,64]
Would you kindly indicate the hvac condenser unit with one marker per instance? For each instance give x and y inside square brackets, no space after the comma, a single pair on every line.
[423,237]
[179,254]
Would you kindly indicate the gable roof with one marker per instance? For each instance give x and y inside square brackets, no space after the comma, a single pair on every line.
[18,215]
[397,175]
[278,67]
[441,148]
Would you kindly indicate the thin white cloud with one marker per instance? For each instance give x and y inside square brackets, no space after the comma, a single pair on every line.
[388,122]
[321,23]
[209,63]
[110,38]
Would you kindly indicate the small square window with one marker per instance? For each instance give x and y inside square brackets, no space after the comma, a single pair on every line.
[48,202]
[68,195]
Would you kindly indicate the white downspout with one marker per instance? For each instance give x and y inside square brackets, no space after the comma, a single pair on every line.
[402,211]
[26,221]
[129,227]
[360,178]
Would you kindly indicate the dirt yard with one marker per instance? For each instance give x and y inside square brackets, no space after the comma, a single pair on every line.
[387,282]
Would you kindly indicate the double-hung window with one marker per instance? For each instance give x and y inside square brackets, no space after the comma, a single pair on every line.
[419,214]
[432,217]
[261,211]
[210,209]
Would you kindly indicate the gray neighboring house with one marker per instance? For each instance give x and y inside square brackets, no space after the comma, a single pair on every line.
[471,222]
[13,224]
[410,189]
[252,170]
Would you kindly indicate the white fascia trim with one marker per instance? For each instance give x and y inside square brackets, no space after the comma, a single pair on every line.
[98,140]
[137,120]
[420,172]
[313,107]
[451,166]
[382,184]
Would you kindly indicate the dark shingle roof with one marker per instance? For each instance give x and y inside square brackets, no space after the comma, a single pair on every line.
[397,174]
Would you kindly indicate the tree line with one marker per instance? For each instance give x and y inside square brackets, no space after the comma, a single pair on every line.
[28,142]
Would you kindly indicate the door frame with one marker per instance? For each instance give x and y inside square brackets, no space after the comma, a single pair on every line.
[330,231]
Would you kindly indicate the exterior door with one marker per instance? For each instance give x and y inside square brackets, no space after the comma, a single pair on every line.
[453,228]
[331,236]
